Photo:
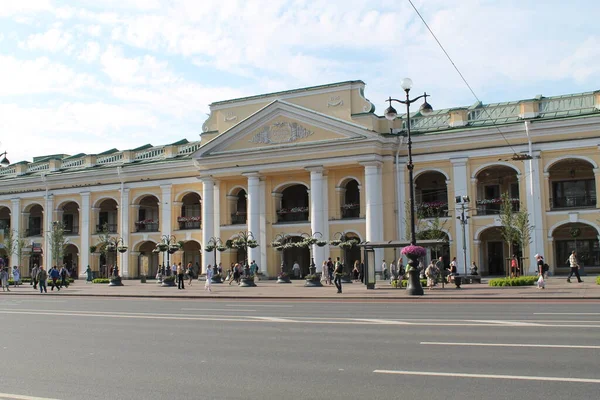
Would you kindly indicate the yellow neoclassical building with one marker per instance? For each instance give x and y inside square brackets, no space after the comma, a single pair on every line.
[320,161]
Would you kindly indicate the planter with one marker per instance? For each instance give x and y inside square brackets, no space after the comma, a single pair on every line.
[414,287]
[115,281]
[168,281]
[283,279]
[216,279]
[313,283]
[247,282]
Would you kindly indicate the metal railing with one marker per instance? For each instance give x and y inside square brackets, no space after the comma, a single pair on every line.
[292,216]
[111,228]
[146,226]
[350,212]
[584,201]
[239,218]
[190,225]
[33,232]
[71,230]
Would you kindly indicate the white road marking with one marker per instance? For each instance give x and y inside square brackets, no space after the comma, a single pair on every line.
[554,346]
[210,309]
[258,305]
[383,321]
[509,323]
[274,319]
[566,313]
[21,397]
[489,376]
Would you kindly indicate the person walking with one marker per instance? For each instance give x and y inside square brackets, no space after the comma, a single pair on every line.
[541,283]
[174,270]
[339,270]
[64,273]
[253,268]
[34,272]
[384,271]
[208,283]
[574,264]
[296,269]
[180,276]
[356,271]
[325,273]
[330,270]
[190,273]
[89,275]
[16,276]
[54,275]
[4,279]
[431,275]
[42,275]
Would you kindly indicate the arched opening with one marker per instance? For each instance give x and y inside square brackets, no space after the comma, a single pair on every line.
[147,215]
[580,237]
[572,184]
[492,182]
[350,254]
[239,214]
[70,218]
[431,195]
[494,251]
[34,221]
[192,254]
[4,221]
[293,254]
[107,216]
[294,204]
[71,260]
[148,262]
[191,212]
[350,207]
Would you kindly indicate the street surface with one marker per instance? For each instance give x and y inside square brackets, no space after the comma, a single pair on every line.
[106,348]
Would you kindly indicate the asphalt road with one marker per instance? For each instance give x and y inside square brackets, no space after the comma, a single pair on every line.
[92,348]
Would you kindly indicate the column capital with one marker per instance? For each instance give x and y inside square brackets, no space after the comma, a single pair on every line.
[134,206]
[547,175]
[459,160]
[95,208]
[596,171]
[449,181]
[85,194]
[340,189]
[178,203]
[315,169]
[277,195]
[231,197]
[252,174]
[373,163]
[167,186]
[207,179]
[134,253]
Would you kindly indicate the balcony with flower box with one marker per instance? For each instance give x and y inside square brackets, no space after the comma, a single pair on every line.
[294,214]
[186,223]
[432,209]
[351,210]
[494,206]
[147,225]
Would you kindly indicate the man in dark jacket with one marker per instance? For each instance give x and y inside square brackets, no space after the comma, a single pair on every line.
[54,275]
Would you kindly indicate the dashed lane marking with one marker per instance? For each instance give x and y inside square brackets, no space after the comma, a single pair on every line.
[488,376]
[553,346]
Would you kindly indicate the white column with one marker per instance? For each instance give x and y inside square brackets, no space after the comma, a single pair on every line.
[534,208]
[325,230]
[254,213]
[373,206]
[47,229]
[208,218]
[263,229]
[15,216]
[217,219]
[85,231]
[317,206]
[461,188]
[124,231]
[165,214]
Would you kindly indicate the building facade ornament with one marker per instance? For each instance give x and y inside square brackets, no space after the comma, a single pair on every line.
[280,133]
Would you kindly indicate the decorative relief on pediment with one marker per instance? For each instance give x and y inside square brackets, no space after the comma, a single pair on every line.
[335,101]
[230,116]
[281,132]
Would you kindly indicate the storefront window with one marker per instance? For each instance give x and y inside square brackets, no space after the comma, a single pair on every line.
[588,252]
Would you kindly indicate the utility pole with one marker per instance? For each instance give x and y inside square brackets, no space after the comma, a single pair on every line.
[463,201]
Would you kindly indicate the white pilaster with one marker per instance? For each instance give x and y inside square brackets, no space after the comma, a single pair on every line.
[165,214]
[85,227]
[461,188]
[534,208]
[254,213]
[15,216]
[48,260]
[325,230]
[317,206]
[124,230]
[208,218]
[374,210]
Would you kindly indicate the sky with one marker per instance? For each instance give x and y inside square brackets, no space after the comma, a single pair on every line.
[86,76]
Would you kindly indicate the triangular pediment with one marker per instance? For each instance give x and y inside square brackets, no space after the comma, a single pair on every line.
[281,125]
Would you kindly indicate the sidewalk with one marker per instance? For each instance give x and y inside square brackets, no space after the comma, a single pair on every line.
[556,288]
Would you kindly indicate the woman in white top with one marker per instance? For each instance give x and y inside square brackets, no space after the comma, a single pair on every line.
[209,275]
[325,273]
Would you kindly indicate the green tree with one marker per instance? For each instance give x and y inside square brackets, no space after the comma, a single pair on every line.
[58,242]
[10,244]
[19,246]
[523,228]
[507,221]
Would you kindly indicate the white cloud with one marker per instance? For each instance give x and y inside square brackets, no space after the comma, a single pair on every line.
[139,70]
[11,8]
[40,76]
[53,40]
[90,53]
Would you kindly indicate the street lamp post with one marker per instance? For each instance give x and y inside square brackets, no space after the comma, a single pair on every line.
[4,162]
[463,200]
[390,115]
[114,245]
[310,240]
[168,244]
